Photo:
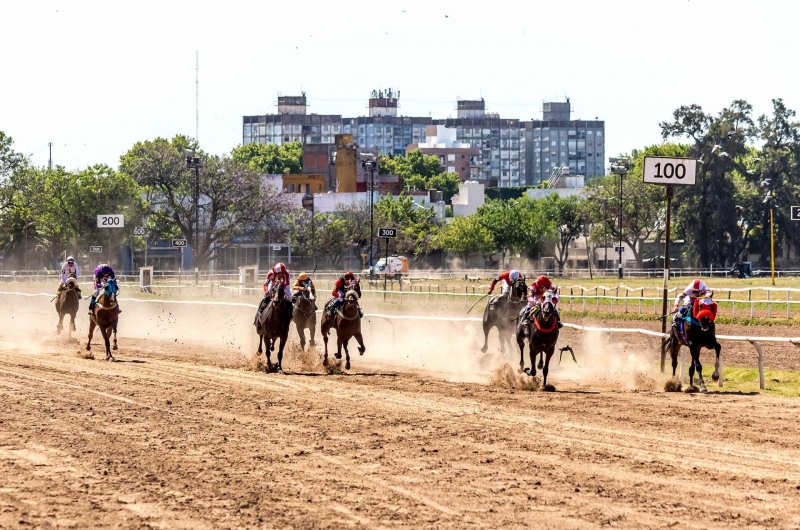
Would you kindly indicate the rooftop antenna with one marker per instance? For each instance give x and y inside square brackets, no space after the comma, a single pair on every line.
[196,95]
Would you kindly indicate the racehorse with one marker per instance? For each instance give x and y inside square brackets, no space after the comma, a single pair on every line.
[501,312]
[105,316]
[696,331]
[273,324]
[347,324]
[67,304]
[542,334]
[304,316]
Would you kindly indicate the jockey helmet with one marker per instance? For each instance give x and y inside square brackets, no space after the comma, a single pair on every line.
[543,281]
[349,275]
[696,287]
[303,277]
[70,260]
[279,268]
[513,275]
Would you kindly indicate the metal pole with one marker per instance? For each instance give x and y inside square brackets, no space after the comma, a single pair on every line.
[605,234]
[313,232]
[386,269]
[371,209]
[196,216]
[666,277]
[772,244]
[620,225]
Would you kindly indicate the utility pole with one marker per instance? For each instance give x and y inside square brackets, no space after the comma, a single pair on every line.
[50,162]
[197,95]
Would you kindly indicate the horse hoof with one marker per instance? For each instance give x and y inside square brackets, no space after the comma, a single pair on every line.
[325,361]
[703,389]
[337,355]
[541,365]
[549,388]
[115,347]
[715,376]
[361,351]
[347,365]
[520,370]
[527,371]
[278,369]
[484,349]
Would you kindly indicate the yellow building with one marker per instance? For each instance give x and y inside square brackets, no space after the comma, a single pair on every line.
[305,184]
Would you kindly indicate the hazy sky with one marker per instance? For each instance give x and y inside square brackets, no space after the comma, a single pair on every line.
[95,77]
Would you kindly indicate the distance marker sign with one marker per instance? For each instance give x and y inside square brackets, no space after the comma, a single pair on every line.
[181,243]
[669,171]
[387,232]
[795,213]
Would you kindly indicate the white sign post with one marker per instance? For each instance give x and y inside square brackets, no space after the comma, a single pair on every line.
[116,220]
[669,172]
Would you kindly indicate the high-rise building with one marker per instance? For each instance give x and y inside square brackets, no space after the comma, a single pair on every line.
[558,141]
[291,124]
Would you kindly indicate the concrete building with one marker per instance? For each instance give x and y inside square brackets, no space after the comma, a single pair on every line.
[557,141]
[291,124]
[454,156]
[304,184]
[469,198]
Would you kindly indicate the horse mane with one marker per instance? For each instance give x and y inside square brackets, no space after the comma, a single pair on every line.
[72,281]
[351,295]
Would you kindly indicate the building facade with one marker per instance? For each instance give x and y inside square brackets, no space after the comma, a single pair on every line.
[557,141]
[454,156]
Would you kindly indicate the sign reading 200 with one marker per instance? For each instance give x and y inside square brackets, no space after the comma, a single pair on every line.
[111,221]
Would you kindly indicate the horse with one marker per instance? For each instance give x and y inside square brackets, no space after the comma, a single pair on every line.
[67,303]
[305,316]
[501,312]
[105,316]
[347,324]
[273,324]
[696,331]
[542,334]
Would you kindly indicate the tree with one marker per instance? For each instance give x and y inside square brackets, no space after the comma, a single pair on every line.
[567,221]
[706,217]
[421,172]
[11,165]
[270,159]
[416,229]
[465,236]
[232,198]
[447,183]
[643,205]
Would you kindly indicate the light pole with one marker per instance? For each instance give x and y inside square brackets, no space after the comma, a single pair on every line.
[620,166]
[308,204]
[194,162]
[605,234]
[369,162]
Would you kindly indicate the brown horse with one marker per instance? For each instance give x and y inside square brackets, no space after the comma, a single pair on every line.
[542,335]
[305,316]
[67,303]
[105,316]
[696,332]
[273,324]
[501,312]
[347,324]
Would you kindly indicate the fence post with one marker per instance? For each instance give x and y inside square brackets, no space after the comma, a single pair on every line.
[626,300]
[752,305]
[570,299]
[788,297]
[583,297]
[769,304]
[597,299]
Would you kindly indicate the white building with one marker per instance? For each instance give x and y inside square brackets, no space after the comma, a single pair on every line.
[469,198]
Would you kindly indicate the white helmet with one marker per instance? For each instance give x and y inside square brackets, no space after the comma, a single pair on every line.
[70,259]
[513,275]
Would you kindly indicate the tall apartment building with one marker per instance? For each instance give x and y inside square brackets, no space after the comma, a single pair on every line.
[558,141]
[513,152]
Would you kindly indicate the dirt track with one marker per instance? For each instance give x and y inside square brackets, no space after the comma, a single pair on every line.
[188,438]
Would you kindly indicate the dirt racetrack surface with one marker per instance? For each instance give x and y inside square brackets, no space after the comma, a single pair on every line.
[185,435]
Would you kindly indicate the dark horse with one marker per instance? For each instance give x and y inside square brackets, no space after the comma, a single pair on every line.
[347,324]
[105,316]
[696,332]
[542,334]
[502,311]
[304,316]
[273,324]
[67,304]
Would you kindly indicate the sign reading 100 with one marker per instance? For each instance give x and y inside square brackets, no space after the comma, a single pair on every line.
[669,171]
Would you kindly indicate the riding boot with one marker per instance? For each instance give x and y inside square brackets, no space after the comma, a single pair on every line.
[119,309]
[92,302]
[558,319]
[525,314]
[261,307]
[360,312]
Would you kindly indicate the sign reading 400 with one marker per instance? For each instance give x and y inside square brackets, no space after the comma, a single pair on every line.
[111,221]
[669,171]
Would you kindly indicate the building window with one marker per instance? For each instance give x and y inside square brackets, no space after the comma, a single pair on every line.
[451,169]
[554,144]
[599,133]
[451,157]
[563,143]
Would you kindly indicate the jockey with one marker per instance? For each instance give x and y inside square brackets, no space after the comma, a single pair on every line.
[539,287]
[508,277]
[277,277]
[302,281]
[693,291]
[340,289]
[69,268]
[102,273]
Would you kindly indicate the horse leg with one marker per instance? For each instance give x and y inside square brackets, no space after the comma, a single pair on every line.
[72,323]
[325,331]
[546,368]
[338,353]
[717,349]
[532,354]
[521,344]
[260,339]
[312,330]
[106,332]
[60,323]
[541,360]
[347,354]
[674,349]
[281,344]
[91,334]
[114,329]
[302,335]
[269,345]
[699,367]
[360,340]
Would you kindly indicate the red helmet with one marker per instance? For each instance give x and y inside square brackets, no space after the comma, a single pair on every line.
[349,275]
[696,285]
[543,281]
[279,268]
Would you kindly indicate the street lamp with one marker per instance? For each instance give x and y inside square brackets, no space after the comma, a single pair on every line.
[620,166]
[368,163]
[308,204]
[194,162]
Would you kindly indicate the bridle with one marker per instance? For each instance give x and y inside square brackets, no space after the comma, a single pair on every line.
[306,289]
[350,300]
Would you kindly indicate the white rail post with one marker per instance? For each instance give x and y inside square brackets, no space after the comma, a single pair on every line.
[760,363]
[788,298]
[752,304]
[769,304]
